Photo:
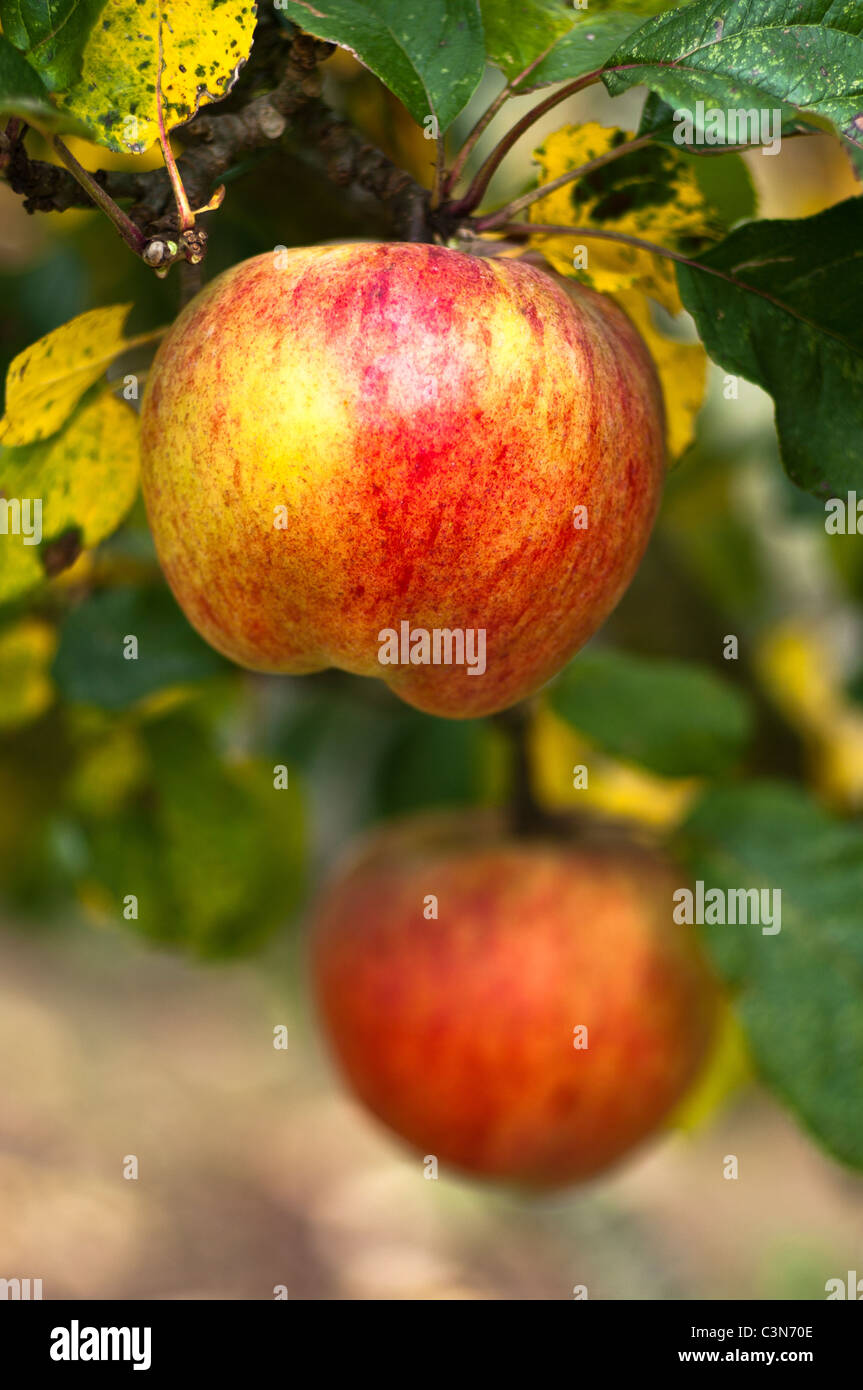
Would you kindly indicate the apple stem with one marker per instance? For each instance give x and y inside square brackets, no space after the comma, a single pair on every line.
[132,236]
[477,190]
[486,119]
[526,816]
[502,215]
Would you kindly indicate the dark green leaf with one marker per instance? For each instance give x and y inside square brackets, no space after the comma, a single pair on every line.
[799,990]
[52,34]
[786,312]
[798,56]
[657,121]
[90,666]
[434,762]
[429,52]
[673,717]
[22,91]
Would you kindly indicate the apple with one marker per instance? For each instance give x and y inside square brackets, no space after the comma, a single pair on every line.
[526,1011]
[403,461]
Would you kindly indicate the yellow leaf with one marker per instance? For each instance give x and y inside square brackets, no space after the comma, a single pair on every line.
[650,194]
[111,767]
[725,1071]
[614,788]
[47,380]
[196,47]
[800,673]
[84,478]
[26,690]
[682,369]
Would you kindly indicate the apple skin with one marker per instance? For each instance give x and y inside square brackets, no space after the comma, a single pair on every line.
[457,1033]
[429,420]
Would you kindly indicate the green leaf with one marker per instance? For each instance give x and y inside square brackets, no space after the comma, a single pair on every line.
[515,36]
[434,762]
[799,991]
[52,35]
[91,667]
[800,56]
[23,93]
[727,186]
[673,717]
[574,41]
[657,121]
[212,851]
[431,53]
[786,313]
[586,47]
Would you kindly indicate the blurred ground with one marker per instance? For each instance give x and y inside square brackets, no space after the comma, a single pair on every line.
[256,1170]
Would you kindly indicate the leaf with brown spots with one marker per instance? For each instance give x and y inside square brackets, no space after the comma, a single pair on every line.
[85,478]
[46,381]
[650,193]
[197,49]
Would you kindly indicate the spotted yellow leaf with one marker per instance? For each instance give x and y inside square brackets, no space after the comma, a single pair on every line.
[26,690]
[648,193]
[65,493]
[46,381]
[682,369]
[191,50]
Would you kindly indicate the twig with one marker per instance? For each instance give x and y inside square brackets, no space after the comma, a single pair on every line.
[215,140]
[477,190]
[502,215]
[486,119]
[130,233]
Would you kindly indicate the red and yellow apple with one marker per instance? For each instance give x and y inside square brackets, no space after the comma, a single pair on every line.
[539,1026]
[348,442]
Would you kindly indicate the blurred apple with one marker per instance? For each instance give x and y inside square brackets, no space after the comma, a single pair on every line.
[522,1010]
[403,461]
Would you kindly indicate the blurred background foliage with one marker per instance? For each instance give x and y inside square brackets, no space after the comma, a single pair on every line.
[161,776]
